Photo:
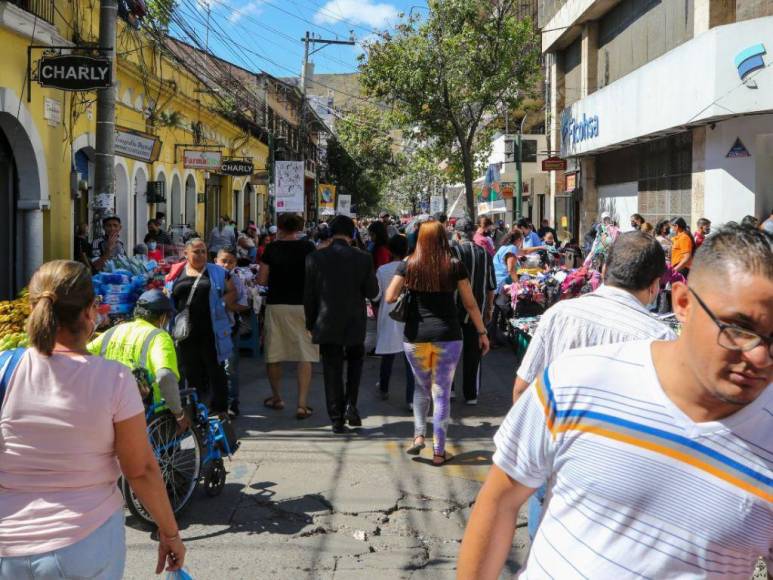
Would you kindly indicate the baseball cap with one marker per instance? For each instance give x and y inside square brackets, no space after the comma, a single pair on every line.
[272,230]
[155,301]
[605,215]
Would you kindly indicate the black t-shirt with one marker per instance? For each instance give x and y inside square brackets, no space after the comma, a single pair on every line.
[286,260]
[201,320]
[160,237]
[432,316]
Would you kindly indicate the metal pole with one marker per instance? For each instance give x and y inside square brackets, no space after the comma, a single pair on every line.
[302,127]
[104,180]
[518,174]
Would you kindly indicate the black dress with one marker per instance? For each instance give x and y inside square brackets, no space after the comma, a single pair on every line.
[197,354]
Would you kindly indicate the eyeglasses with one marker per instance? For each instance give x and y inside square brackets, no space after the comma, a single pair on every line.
[734,337]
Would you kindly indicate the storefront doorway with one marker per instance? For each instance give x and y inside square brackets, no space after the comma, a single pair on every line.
[175,216]
[9,194]
[190,202]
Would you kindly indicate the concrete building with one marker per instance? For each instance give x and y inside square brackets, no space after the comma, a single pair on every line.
[661,107]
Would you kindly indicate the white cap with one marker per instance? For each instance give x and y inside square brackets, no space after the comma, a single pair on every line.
[272,230]
[605,216]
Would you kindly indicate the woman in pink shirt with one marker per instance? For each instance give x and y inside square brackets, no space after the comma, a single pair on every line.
[482,236]
[67,421]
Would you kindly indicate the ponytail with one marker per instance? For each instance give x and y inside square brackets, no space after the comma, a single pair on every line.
[59,292]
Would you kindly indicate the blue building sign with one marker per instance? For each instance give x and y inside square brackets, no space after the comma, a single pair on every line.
[574,131]
[749,60]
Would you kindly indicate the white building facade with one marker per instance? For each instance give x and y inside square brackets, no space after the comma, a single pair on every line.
[661,107]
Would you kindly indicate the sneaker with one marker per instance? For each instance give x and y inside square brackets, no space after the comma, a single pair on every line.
[471,402]
[352,417]
[340,429]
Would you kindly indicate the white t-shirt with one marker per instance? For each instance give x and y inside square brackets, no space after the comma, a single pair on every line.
[389,338]
[58,466]
[635,488]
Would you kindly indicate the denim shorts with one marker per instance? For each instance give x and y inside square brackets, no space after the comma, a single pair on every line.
[101,555]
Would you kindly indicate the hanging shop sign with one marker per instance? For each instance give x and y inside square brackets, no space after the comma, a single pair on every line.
[288,182]
[72,72]
[436,204]
[327,199]
[344,205]
[137,145]
[204,160]
[259,178]
[237,166]
[554,164]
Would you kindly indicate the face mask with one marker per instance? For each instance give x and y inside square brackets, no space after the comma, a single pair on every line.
[672,232]
[151,246]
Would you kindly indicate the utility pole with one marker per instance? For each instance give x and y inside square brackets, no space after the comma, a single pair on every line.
[518,209]
[307,40]
[104,180]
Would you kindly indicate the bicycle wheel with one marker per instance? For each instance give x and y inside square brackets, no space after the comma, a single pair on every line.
[179,458]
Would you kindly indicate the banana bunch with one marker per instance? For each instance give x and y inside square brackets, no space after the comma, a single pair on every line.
[14,340]
[13,314]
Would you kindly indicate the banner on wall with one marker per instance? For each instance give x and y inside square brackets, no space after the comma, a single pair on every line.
[490,196]
[288,186]
[345,205]
[327,199]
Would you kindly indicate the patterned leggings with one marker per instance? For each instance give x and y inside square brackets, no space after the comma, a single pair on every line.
[434,365]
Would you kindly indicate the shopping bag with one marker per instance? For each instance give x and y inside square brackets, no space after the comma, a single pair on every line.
[179,575]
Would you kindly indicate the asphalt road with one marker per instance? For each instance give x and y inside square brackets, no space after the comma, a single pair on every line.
[300,502]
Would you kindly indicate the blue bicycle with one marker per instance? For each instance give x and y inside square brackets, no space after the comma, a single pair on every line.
[185,458]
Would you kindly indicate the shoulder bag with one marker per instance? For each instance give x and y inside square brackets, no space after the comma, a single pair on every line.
[400,312]
[181,329]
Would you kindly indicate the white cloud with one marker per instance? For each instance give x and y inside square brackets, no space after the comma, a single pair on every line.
[361,12]
[253,8]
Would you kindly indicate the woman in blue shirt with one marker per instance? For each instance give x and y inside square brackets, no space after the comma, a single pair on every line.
[506,258]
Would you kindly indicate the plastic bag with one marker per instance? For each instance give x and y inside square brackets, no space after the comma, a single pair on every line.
[179,575]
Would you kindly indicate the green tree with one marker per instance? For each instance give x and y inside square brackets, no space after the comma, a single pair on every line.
[362,159]
[447,74]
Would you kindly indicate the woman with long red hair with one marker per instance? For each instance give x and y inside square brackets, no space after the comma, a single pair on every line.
[433,334]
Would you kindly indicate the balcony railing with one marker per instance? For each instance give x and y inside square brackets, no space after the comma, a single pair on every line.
[43,9]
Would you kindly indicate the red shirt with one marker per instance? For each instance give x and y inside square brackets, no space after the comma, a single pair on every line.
[381,256]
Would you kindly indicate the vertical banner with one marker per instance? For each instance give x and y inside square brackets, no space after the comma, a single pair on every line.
[436,204]
[288,187]
[327,199]
[345,205]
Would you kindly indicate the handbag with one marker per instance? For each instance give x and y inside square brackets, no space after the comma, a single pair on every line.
[9,360]
[400,312]
[182,322]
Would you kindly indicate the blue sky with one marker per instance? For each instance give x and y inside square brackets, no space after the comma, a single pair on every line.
[266,34]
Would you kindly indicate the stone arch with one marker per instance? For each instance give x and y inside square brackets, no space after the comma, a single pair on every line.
[139,184]
[176,201]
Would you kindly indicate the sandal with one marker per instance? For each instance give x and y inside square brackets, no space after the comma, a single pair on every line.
[416,448]
[274,403]
[444,458]
[303,413]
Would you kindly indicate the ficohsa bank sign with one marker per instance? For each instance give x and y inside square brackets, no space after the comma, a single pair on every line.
[574,131]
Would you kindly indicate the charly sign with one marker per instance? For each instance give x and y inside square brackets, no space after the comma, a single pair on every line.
[236,167]
[75,73]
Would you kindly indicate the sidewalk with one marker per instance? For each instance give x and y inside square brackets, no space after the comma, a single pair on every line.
[300,502]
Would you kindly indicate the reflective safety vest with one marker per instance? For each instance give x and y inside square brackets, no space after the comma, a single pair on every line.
[139,344]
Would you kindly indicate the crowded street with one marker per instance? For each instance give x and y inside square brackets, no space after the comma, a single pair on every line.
[300,504]
[483,289]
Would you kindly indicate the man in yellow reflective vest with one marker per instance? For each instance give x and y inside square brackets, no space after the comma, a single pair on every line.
[142,343]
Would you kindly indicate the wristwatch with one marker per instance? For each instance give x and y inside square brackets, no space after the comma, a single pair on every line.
[484,333]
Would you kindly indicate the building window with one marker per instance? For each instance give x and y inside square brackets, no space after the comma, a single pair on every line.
[43,9]
[529,150]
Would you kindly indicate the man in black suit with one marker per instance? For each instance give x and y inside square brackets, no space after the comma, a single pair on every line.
[338,280]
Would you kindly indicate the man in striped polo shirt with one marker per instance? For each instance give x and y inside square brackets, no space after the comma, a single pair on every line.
[658,456]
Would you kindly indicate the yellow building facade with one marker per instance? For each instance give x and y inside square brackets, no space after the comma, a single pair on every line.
[47,143]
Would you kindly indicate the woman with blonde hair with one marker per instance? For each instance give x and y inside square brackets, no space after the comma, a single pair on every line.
[433,333]
[67,421]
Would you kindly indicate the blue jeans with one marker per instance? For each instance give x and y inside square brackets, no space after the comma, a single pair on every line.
[232,372]
[100,555]
[536,503]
